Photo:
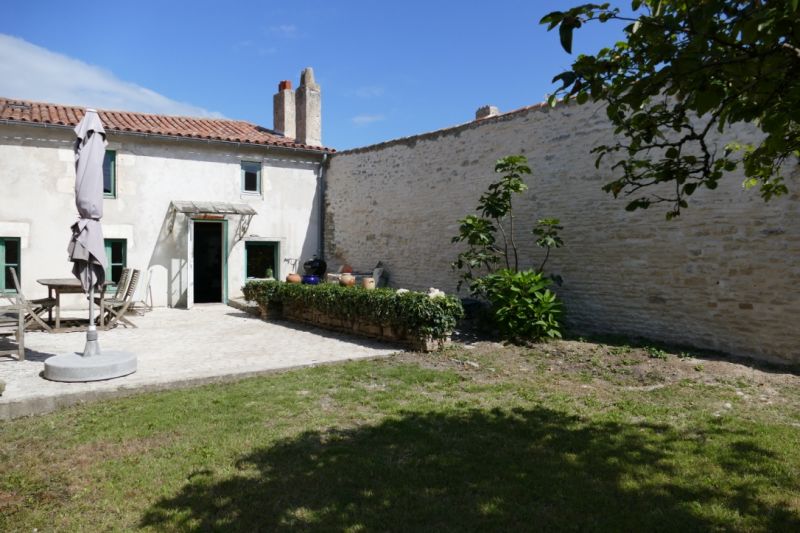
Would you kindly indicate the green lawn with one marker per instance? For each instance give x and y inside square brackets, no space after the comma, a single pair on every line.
[566,436]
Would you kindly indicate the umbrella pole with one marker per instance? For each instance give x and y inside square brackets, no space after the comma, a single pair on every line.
[92,347]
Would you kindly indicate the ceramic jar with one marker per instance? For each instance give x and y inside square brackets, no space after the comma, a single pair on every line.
[347,280]
[368,283]
[294,277]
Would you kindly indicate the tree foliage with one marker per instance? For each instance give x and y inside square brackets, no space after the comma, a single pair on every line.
[688,68]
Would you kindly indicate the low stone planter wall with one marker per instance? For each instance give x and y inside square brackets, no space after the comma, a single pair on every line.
[313,317]
[421,321]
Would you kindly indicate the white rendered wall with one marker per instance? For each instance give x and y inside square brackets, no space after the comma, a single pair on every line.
[37,204]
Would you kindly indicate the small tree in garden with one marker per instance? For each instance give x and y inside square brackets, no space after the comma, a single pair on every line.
[522,305]
[546,231]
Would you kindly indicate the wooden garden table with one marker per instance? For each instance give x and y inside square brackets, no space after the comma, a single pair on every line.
[58,286]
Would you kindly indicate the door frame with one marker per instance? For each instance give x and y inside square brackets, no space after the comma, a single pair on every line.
[190,254]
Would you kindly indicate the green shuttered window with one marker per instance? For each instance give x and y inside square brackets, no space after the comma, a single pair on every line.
[261,256]
[110,174]
[10,256]
[117,255]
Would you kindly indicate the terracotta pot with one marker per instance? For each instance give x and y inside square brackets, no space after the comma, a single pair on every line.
[347,280]
[368,283]
[294,277]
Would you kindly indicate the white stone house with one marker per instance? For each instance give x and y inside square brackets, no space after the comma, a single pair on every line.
[198,204]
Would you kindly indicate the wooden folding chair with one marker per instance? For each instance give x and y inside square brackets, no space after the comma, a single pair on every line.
[12,322]
[34,309]
[122,286]
[115,308]
[144,295]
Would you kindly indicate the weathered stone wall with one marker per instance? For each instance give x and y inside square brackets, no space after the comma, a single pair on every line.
[724,276]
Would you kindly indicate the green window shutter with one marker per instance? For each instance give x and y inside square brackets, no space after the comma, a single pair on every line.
[110,174]
[117,255]
[10,257]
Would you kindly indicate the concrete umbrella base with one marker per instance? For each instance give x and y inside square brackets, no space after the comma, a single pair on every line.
[75,367]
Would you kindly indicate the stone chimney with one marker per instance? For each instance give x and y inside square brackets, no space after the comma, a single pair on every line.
[486,112]
[309,110]
[283,110]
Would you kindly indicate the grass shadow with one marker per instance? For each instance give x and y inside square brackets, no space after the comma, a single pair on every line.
[533,469]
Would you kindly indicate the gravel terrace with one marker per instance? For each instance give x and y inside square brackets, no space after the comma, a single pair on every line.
[176,348]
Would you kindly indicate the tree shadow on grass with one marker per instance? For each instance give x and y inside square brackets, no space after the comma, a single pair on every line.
[534,469]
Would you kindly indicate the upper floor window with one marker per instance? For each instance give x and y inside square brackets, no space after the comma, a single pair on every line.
[9,258]
[251,177]
[110,174]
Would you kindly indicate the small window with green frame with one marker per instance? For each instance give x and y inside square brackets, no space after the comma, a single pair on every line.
[110,174]
[251,177]
[261,259]
[117,255]
[10,257]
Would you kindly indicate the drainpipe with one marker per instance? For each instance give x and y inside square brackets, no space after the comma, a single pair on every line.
[321,207]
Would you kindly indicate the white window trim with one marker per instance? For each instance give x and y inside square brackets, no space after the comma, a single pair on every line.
[245,192]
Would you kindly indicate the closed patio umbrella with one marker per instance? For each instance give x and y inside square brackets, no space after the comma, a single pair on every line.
[86,248]
[87,253]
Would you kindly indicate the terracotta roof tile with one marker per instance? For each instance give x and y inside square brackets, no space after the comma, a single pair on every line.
[173,126]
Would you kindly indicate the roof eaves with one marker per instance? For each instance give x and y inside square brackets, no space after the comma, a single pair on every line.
[177,136]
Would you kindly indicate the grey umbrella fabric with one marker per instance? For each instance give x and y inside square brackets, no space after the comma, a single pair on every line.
[86,248]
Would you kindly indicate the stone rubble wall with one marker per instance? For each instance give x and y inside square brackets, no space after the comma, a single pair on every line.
[724,276]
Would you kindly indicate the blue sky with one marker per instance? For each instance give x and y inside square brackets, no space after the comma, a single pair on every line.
[386,70]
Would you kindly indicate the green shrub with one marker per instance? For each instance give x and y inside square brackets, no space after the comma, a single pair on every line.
[260,291]
[656,353]
[410,311]
[523,307]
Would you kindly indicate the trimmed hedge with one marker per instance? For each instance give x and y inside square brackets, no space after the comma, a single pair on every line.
[410,311]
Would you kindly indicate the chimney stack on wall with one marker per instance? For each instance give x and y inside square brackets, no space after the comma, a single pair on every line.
[486,112]
[309,110]
[283,110]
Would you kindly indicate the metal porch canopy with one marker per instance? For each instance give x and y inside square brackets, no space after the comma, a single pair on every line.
[213,208]
[191,209]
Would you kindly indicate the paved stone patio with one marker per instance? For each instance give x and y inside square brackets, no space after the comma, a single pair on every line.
[176,348]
